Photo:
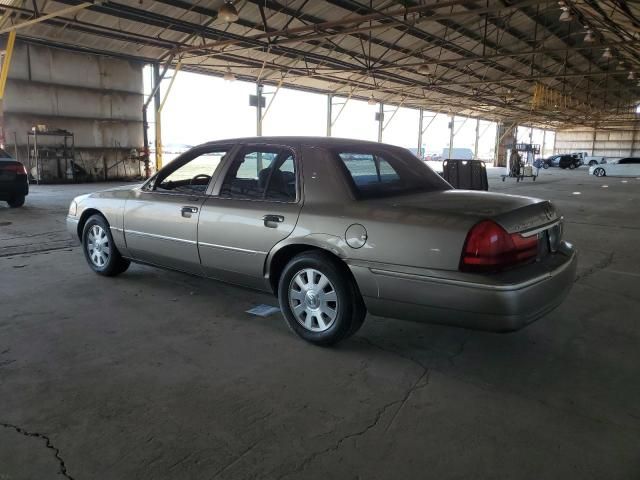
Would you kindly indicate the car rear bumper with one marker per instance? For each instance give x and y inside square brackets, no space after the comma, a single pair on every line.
[17,187]
[503,303]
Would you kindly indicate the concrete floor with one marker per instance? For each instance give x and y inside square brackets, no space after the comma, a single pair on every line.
[158,375]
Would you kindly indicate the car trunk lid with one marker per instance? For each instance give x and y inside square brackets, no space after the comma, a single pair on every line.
[514,213]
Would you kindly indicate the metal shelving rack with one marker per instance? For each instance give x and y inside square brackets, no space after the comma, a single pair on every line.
[62,152]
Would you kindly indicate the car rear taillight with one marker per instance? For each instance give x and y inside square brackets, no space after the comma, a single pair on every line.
[490,248]
[15,168]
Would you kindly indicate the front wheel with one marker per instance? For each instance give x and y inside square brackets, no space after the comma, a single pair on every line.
[572,166]
[545,166]
[16,202]
[319,299]
[101,253]
[599,172]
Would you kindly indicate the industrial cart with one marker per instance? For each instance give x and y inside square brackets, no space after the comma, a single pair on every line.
[520,168]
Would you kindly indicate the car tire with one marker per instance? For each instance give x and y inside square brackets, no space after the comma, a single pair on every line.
[545,166]
[16,202]
[319,299]
[592,163]
[599,172]
[572,166]
[99,249]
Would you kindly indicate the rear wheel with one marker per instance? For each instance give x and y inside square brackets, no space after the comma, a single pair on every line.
[101,253]
[545,165]
[16,201]
[572,166]
[592,163]
[319,299]
[599,172]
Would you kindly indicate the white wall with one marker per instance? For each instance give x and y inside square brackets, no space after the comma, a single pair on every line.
[606,143]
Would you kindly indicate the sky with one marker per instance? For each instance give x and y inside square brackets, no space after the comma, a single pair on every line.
[201,108]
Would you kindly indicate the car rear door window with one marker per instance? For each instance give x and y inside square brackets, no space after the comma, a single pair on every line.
[367,169]
[381,173]
[265,173]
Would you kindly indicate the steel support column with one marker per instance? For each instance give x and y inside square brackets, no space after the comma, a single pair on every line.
[420,121]
[259,88]
[329,113]
[6,65]
[380,121]
[452,124]
[158,111]
[475,148]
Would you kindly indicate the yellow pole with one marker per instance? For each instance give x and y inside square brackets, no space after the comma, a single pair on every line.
[6,63]
[159,118]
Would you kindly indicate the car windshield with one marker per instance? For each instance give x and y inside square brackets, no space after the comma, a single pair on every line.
[383,173]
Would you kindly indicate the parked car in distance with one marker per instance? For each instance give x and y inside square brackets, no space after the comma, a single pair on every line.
[458,153]
[593,160]
[335,229]
[562,161]
[14,182]
[623,167]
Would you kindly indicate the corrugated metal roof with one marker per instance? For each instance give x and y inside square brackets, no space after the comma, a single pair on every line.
[485,58]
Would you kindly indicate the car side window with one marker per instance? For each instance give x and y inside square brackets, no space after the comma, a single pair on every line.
[367,169]
[192,177]
[265,173]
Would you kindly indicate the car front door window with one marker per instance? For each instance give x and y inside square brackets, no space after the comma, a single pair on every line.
[261,174]
[192,177]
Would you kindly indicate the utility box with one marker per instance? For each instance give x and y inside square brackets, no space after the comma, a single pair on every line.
[466,174]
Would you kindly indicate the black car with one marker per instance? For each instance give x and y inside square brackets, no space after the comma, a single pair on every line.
[14,183]
[562,161]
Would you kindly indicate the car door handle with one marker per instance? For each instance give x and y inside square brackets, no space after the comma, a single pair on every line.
[271,221]
[187,211]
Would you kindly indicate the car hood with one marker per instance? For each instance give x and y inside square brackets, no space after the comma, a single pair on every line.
[514,213]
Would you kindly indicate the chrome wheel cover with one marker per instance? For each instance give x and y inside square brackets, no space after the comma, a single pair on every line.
[599,172]
[313,300]
[98,246]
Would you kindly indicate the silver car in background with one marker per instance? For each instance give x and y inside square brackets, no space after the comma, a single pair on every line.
[336,228]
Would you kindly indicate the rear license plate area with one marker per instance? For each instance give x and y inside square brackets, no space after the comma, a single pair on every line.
[543,245]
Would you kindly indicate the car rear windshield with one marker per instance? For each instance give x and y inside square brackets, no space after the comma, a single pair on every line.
[385,173]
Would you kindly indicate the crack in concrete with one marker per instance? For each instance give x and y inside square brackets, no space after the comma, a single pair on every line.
[421,382]
[395,352]
[36,251]
[56,451]
[601,265]
[235,460]
[460,351]
[416,385]
[341,440]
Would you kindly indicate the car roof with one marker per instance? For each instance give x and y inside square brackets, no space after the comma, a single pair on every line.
[306,140]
